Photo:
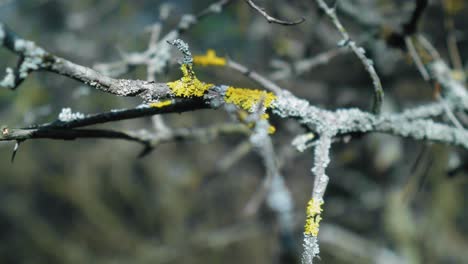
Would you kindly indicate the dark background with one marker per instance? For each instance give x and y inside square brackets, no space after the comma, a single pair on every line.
[94,201]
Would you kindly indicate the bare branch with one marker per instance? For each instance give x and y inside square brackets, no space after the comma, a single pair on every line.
[179,106]
[296,68]
[360,53]
[271,19]
[147,139]
[266,83]
[410,27]
[35,58]
[416,58]
[46,132]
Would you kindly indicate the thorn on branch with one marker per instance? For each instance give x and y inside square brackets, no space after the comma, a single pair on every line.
[145,151]
[15,150]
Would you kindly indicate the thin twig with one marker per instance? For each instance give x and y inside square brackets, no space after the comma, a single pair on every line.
[286,70]
[266,83]
[158,54]
[416,58]
[360,53]
[451,116]
[271,19]
[410,27]
[452,45]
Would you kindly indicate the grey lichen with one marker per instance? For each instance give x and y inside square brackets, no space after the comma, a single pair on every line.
[66,115]
[304,141]
[184,48]
[311,249]
[288,105]
[33,57]
[453,90]
[186,21]
[216,7]
[9,79]
[125,87]
[321,161]
[216,95]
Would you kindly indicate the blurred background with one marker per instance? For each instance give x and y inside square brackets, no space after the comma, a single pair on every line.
[390,200]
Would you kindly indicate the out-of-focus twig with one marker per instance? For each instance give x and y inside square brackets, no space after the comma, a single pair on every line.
[360,53]
[158,55]
[416,58]
[266,83]
[287,70]
[352,246]
[271,19]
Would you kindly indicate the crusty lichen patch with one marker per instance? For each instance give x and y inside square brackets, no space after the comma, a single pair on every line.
[160,104]
[313,211]
[248,98]
[209,59]
[188,85]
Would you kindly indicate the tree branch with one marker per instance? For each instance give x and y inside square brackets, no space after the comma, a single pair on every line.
[360,53]
[271,19]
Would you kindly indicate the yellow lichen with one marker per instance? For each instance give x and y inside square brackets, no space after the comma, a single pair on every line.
[188,85]
[161,104]
[458,75]
[247,98]
[209,59]
[313,211]
[271,130]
